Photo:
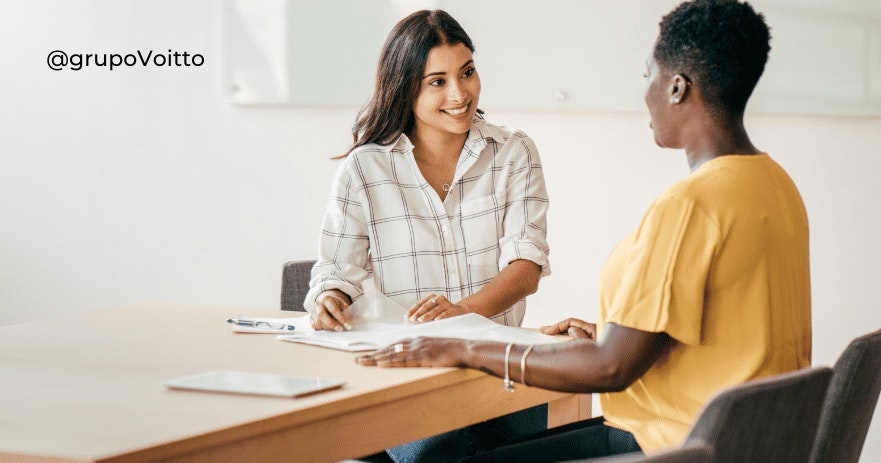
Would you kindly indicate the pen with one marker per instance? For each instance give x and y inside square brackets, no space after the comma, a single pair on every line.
[261,324]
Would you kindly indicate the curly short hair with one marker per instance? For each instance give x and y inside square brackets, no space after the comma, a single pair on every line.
[720,45]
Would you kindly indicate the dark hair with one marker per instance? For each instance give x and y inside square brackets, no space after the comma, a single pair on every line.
[721,46]
[389,113]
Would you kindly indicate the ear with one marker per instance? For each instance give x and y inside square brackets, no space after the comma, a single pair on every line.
[678,88]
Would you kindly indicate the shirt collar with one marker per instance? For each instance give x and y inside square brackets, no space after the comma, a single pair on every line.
[478,137]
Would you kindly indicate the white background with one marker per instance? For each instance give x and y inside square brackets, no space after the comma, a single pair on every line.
[146,184]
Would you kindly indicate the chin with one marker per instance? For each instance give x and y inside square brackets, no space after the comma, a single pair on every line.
[662,144]
[658,140]
[459,128]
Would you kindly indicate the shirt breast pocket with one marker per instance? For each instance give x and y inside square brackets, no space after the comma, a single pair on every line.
[482,227]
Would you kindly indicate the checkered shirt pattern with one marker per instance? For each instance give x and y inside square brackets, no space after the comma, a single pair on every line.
[385,222]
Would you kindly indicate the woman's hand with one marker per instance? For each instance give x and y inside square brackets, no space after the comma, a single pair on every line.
[329,311]
[577,329]
[418,352]
[434,307]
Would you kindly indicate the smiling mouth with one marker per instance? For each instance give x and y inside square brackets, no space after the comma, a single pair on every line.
[457,111]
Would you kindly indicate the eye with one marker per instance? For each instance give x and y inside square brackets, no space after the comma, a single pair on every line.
[469,72]
[437,82]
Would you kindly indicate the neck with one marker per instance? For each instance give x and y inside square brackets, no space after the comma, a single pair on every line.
[715,137]
[437,148]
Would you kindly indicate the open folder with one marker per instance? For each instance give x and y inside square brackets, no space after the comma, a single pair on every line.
[377,321]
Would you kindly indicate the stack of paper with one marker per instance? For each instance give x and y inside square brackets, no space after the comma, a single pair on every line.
[377,321]
[371,336]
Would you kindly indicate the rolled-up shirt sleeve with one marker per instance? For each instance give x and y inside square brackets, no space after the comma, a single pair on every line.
[525,222]
[343,246]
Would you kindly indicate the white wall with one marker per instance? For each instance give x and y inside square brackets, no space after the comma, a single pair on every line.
[143,184]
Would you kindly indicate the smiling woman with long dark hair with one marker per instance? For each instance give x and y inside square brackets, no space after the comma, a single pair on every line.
[443,211]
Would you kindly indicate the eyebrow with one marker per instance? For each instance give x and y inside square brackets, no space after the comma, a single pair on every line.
[469,62]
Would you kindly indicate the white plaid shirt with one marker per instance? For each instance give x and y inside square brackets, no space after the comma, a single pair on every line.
[386,222]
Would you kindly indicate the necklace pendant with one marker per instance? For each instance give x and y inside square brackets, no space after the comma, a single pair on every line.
[446,187]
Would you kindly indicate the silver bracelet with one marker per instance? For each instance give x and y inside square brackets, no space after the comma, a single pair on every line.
[523,364]
[509,385]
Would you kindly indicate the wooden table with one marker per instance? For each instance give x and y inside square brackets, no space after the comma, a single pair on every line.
[86,387]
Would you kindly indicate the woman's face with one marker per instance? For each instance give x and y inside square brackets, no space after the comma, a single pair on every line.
[448,92]
[657,99]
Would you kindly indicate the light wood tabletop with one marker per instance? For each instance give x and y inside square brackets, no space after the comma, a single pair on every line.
[86,388]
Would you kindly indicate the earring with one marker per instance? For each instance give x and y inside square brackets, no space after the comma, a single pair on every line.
[674,100]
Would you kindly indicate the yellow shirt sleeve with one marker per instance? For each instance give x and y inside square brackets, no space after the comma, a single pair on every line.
[666,266]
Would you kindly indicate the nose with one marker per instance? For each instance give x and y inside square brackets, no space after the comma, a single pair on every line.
[455,92]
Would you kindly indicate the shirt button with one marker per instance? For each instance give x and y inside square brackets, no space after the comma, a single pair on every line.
[444,228]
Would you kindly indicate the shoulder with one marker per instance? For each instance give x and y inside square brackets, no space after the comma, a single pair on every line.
[697,193]
[732,187]
[373,150]
[361,166]
[506,144]
[498,133]
[372,156]
[707,181]
[729,177]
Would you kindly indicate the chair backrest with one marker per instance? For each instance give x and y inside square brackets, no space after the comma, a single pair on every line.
[850,402]
[295,284]
[772,419]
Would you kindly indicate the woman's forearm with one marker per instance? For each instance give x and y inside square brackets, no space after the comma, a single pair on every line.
[581,365]
[516,281]
[575,366]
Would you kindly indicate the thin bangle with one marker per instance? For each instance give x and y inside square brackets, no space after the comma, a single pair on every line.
[523,364]
[509,385]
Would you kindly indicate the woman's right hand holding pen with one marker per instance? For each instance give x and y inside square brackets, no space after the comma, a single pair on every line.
[329,313]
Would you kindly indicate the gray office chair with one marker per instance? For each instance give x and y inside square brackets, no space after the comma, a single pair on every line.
[295,284]
[771,420]
[768,420]
[850,402]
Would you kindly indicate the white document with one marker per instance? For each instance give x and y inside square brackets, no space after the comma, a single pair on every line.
[377,321]
[369,308]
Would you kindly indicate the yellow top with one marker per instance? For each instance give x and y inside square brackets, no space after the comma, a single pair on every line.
[720,264]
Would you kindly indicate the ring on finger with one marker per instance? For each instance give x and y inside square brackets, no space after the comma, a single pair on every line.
[433,301]
[399,348]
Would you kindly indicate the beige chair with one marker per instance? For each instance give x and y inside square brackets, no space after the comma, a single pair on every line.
[295,284]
